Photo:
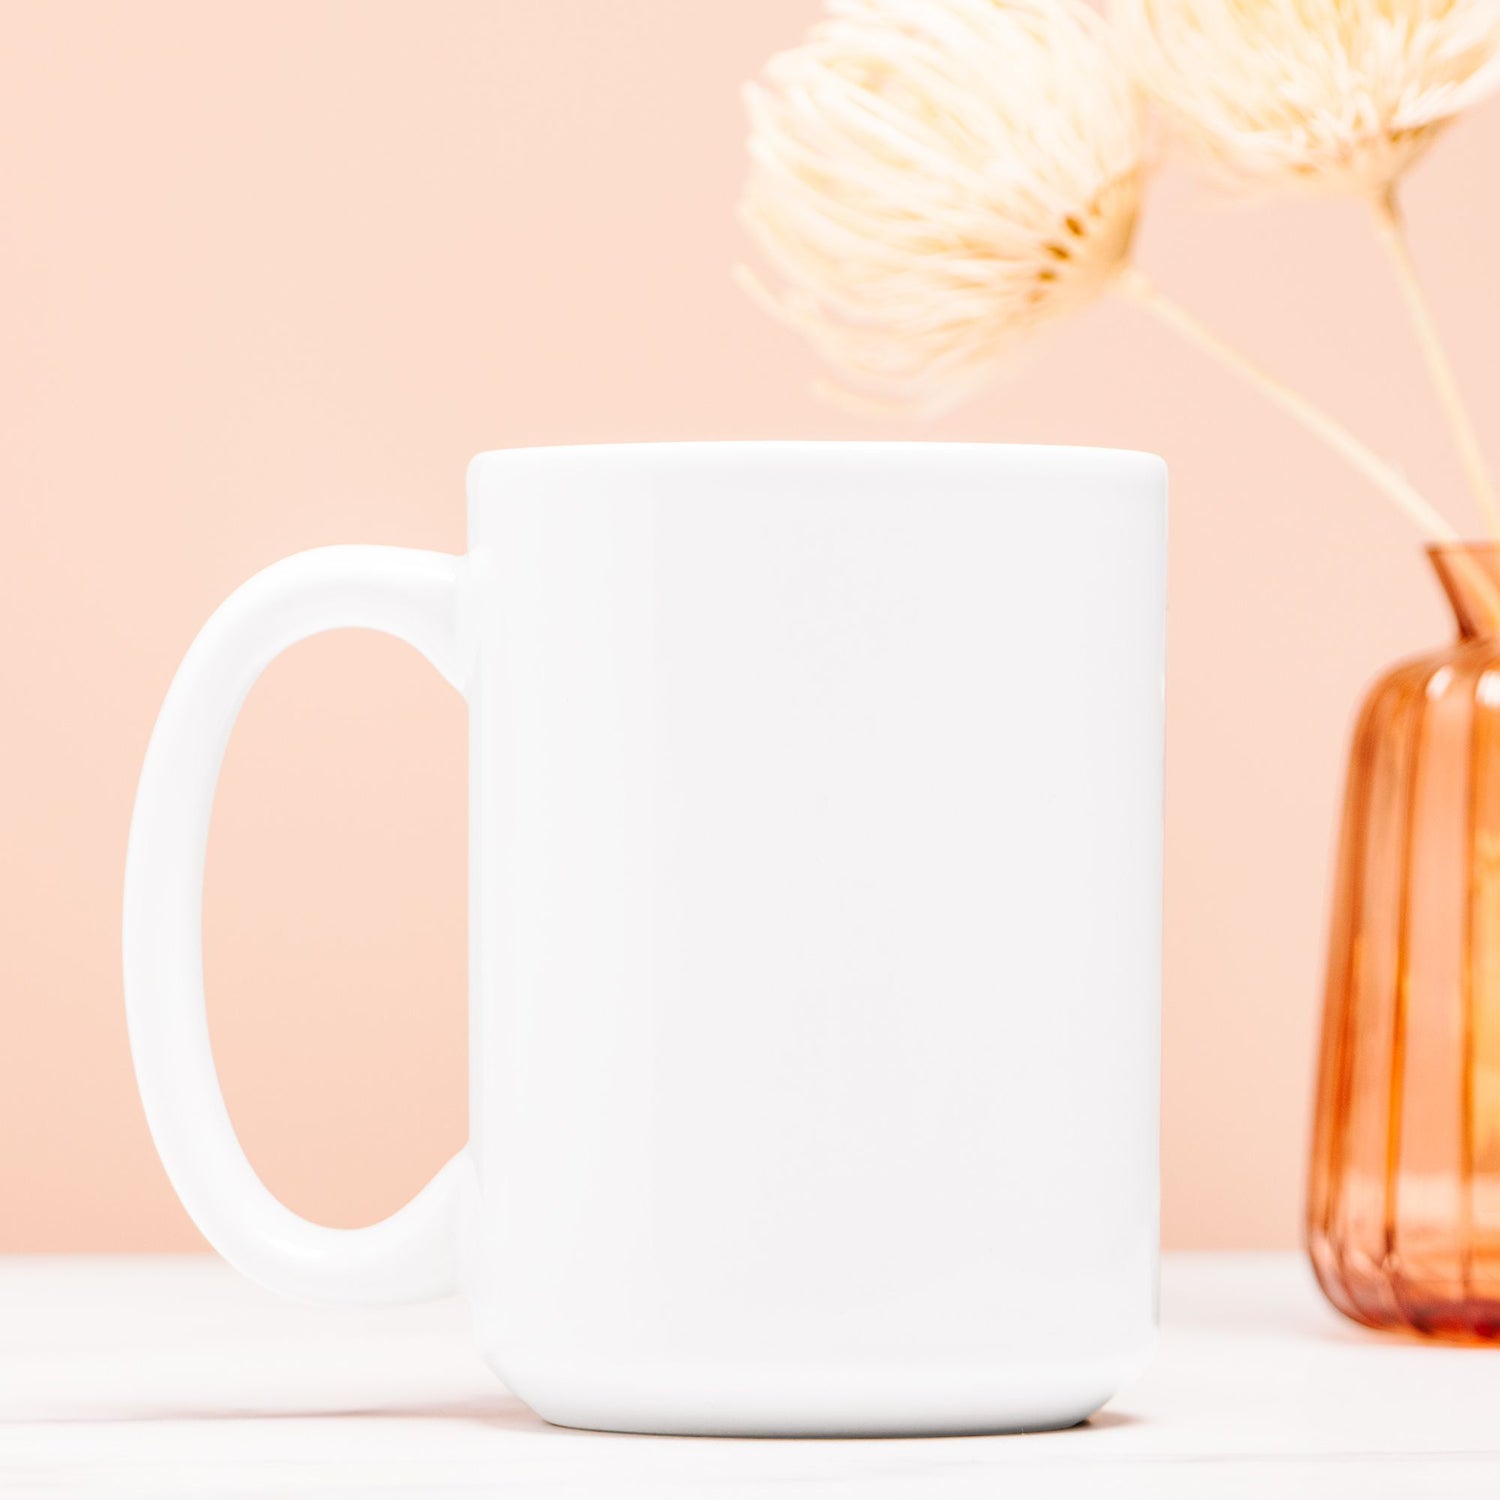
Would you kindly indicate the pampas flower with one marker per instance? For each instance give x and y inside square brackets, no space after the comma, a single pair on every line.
[1335,94]
[1332,95]
[935,178]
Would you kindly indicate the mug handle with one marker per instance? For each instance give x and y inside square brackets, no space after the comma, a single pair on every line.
[417,597]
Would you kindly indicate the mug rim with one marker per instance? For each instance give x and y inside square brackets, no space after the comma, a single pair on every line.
[1034,458]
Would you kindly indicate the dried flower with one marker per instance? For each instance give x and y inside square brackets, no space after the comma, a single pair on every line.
[934,178]
[1336,94]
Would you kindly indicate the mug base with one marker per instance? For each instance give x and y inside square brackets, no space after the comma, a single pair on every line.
[822,1403]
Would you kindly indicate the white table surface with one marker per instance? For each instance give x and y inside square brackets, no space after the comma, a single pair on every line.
[173,1376]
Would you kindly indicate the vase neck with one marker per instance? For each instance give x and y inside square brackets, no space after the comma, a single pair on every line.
[1470,575]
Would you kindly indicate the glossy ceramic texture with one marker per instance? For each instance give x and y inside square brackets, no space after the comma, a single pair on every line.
[1404,1198]
[815,932]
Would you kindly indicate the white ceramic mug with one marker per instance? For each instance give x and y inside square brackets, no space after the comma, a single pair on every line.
[815,926]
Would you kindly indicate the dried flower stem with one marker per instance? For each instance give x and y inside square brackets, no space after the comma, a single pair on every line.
[1392,231]
[1385,476]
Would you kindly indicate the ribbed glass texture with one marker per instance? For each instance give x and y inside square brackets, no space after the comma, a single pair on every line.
[1403,1219]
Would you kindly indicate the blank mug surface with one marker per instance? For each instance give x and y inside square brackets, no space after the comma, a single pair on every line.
[815,928]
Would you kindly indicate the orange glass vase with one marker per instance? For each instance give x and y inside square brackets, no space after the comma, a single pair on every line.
[1403,1217]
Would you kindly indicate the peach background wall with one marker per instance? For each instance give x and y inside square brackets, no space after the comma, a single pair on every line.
[270,273]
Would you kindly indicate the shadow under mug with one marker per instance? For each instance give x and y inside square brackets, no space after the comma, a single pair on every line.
[815,926]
